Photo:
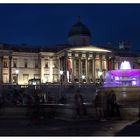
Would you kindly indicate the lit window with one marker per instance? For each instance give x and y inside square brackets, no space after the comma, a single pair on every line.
[55,64]
[46,64]
[15,63]
[25,63]
[36,63]
[5,64]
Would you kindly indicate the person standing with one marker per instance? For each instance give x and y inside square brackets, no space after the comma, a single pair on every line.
[78,100]
[115,111]
[139,107]
[98,104]
[108,98]
[1,103]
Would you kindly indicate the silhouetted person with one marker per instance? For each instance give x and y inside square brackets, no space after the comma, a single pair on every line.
[36,113]
[108,98]
[98,104]
[62,100]
[80,108]
[139,108]
[29,103]
[1,103]
[115,111]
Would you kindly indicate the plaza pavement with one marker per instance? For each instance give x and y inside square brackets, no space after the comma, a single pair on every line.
[78,127]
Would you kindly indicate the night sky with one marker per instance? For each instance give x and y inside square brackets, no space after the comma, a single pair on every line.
[45,24]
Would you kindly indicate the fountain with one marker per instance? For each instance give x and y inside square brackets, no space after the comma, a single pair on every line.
[125,82]
[126,76]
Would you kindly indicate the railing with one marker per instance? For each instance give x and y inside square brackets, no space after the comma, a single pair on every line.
[51,93]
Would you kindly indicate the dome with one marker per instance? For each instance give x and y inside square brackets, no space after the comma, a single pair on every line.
[79,29]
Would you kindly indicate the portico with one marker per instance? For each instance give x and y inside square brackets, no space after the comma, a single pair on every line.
[84,63]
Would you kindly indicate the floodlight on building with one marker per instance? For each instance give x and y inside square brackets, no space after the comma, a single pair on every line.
[34,83]
[61,72]
[134,83]
[116,78]
[100,73]
[17,71]
[83,77]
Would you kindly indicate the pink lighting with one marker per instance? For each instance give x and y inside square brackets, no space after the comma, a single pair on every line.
[125,73]
[134,83]
[123,77]
[116,78]
[125,66]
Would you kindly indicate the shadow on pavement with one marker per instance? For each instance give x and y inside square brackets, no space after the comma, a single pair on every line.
[130,130]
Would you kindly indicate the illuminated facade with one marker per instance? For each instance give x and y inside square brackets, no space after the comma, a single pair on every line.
[76,62]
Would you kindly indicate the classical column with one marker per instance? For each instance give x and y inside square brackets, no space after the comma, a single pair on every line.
[69,69]
[93,67]
[96,72]
[73,68]
[107,63]
[63,68]
[59,69]
[66,69]
[113,63]
[60,62]
[79,69]
[10,69]
[1,69]
[51,71]
[86,69]
[100,62]
[110,63]
[42,68]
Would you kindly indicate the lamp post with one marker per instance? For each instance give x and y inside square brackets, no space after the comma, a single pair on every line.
[61,74]
[83,78]
[61,81]
[17,72]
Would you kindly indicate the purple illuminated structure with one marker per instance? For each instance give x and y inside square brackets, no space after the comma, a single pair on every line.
[126,76]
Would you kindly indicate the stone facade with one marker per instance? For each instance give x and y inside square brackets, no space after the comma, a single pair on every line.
[77,61]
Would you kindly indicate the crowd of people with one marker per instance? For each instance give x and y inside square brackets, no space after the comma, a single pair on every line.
[79,104]
[13,97]
[106,105]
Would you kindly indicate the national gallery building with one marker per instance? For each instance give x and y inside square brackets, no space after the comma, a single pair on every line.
[77,61]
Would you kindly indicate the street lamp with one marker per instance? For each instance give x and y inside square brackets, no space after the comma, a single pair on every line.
[83,78]
[61,74]
[100,73]
[17,72]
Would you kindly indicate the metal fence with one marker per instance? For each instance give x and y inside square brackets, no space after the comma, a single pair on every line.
[49,93]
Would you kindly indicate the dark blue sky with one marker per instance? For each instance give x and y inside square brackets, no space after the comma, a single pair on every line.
[47,24]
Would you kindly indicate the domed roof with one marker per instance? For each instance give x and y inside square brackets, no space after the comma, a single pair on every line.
[79,29]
